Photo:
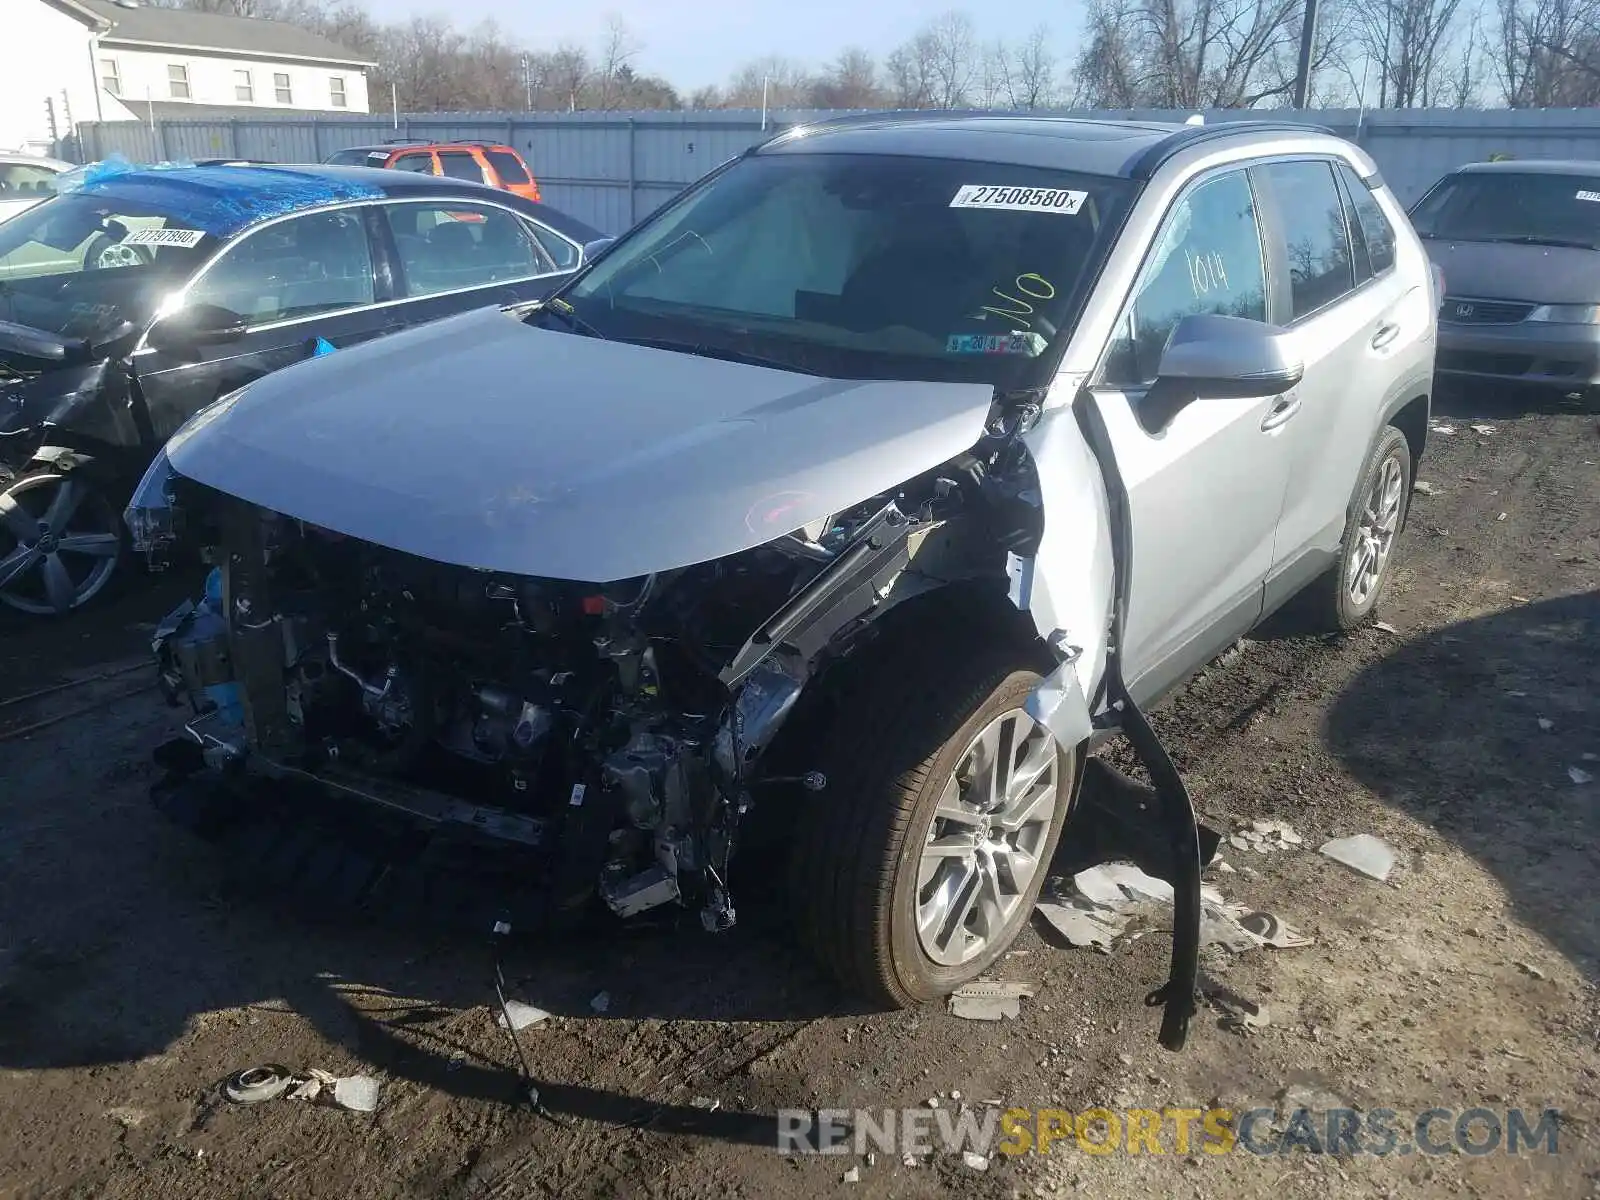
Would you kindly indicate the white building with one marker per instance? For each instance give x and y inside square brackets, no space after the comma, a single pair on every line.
[66,61]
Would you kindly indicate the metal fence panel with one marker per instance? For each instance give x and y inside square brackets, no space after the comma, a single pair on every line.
[611,169]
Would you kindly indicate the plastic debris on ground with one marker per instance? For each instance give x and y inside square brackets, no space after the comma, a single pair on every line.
[709,1103]
[990,999]
[853,1175]
[974,1161]
[1546,724]
[522,1016]
[1447,430]
[1483,430]
[1112,897]
[1263,836]
[1371,856]
[1579,776]
[1384,627]
[358,1093]
[1423,488]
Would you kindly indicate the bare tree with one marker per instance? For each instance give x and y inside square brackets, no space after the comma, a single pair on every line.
[1192,53]
[953,47]
[1031,76]
[780,82]
[850,81]
[614,63]
[1547,52]
[1408,43]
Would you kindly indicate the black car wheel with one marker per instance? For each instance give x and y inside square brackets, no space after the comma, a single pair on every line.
[60,543]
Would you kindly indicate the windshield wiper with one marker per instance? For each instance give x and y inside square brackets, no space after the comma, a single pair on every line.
[724,353]
[563,310]
[1530,239]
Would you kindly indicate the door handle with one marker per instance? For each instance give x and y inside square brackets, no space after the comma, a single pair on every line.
[1387,333]
[1283,408]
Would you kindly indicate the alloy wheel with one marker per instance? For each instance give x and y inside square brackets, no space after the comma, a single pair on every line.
[1378,526]
[59,544]
[986,838]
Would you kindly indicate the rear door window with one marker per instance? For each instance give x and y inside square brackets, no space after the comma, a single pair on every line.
[508,166]
[316,263]
[458,164]
[1316,241]
[421,163]
[449,246]
[1207,260]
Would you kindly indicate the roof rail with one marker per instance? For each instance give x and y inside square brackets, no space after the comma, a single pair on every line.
[1151,159]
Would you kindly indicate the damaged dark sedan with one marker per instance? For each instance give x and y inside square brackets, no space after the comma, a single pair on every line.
[137,296]
[865,487]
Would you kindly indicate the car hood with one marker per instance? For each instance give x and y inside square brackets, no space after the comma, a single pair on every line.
[1506,271]
[485,442]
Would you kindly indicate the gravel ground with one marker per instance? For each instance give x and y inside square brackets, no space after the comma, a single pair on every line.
[132,981]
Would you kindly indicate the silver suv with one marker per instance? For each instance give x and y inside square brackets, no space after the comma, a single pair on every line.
[850,501]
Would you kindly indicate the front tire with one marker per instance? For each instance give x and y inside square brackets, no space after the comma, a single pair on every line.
[919,864]
[1347,596]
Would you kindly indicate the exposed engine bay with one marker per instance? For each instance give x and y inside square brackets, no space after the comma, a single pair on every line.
[621,730]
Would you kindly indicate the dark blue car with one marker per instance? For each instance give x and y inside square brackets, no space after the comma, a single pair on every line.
[136,297]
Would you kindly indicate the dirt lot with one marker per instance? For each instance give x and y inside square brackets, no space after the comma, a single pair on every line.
[131,983]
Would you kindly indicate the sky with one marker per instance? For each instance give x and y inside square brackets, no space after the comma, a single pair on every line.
[693,43]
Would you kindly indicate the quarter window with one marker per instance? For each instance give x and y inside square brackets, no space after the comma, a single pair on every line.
[1370,222]
[317,263]
[178,81]
[281,87]
[508,166]
[420,163]
[1207,261]
[563,253]
[1316,242]
[449,247]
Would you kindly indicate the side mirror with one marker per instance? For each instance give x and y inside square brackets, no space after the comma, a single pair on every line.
[1215,356]
[594,248]
[189,328]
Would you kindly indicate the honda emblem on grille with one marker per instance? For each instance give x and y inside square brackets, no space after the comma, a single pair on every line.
[1464,311]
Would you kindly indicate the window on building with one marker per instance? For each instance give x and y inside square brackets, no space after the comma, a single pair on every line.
[178,81]
[244,87]
[281,88]
[336,92]
[110,77]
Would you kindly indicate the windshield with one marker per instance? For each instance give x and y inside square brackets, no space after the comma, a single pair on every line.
[79,265]
[861,267]
[1513,207]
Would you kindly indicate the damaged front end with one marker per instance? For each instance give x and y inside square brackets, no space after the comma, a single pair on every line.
[615,732]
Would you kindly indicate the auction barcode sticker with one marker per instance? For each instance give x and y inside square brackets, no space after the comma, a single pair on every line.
[1019,199]
[1589,196]
[186,238]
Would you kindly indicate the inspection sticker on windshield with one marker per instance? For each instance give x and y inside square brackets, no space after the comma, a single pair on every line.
[1016,342]
[1595,196]
[186,238]
[1019,199]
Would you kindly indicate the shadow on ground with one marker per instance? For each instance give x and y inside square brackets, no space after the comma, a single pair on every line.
[1448,729]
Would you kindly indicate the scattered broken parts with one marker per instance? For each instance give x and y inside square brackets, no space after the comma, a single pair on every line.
[990,999]
[255,1085]
[1371,856]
